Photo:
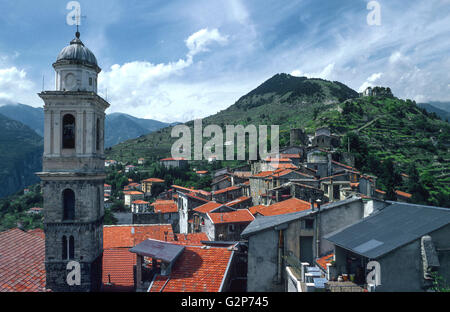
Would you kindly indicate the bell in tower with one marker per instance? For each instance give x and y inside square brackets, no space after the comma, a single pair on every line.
[73,171]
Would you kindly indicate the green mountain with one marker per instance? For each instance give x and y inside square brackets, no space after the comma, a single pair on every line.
[121,127]
[31,116]
[283,100]
[441,113]
[21,156]
[379,128]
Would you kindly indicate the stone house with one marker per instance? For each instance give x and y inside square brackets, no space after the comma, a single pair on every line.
[131,196]
[277,241]
[147,184]
[227,226]
[409,242]
[174,162]
[228,194]
[186,203]
[139,206]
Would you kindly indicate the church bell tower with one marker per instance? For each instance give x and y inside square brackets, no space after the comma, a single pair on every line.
[73,172]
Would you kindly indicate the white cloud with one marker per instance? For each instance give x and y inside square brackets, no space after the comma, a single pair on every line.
[370,82]
[15,86]
[151,90]
[199,41]
[325,73]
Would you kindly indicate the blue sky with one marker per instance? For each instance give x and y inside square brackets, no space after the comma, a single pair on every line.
[182,59]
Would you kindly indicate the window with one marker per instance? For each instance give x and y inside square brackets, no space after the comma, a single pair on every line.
[98,135]
[90,81]
[309,224]
[231,228]
[68,248]
[64,247]
[68,204]
[71,248]
[68,131]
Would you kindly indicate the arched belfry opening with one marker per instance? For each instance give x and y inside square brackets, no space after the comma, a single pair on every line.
[68,131]
[68,204]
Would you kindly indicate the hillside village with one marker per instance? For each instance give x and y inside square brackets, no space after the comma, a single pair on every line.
[306,219]
[284,223]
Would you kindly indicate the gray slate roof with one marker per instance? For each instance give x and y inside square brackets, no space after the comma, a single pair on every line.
[159,250]
[390,228]
[264,223]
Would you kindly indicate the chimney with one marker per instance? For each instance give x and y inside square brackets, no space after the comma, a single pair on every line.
[165,236]
[312,203]
[318,204]
[20,226]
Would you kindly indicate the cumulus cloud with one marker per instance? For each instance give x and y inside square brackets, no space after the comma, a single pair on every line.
[14,86]
[370,82]
[147,85]
[325,73]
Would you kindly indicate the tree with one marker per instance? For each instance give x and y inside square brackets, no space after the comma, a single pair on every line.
[415,186]
[391,178]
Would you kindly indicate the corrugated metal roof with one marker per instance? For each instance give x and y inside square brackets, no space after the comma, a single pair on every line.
[158,250]
[390,228]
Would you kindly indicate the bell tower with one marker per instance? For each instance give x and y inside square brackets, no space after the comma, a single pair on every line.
[73,171]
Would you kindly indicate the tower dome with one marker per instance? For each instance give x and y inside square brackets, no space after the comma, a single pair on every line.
[77,53]
[76,68]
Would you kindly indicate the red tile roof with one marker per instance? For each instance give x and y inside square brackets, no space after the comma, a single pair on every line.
[22,267]
[290,156]
[403,194]
[237,216]
[284,166]
[380,191]
[38,232]
[288,206]
[196,270]
[117,273]
[133,193]
[263,174]
[207,207]
[121,235]
[165,206]
[202,172]
[237,201]
[173,158]
[140,202]
[256,209]
[154,180]
[228,189]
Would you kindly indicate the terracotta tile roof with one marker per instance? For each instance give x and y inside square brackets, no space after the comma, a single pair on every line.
[118,269]
[324,260]
[106,185]
[343,165]
[243,174]
[256,209]
[263,174]
[133,193]
[269,159]
[290,156]
[173,158]
[207,207]
[140,202]
[192,190]
[354,184]
[284,166]
[202,172]
[38,232]
[121,235]
[238,201]
[238,216]
[380,191]
[288,206]
[403,194]
[22,267]
[196,270]
[165,206]
[228,189]
[154,180]
[191,239]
